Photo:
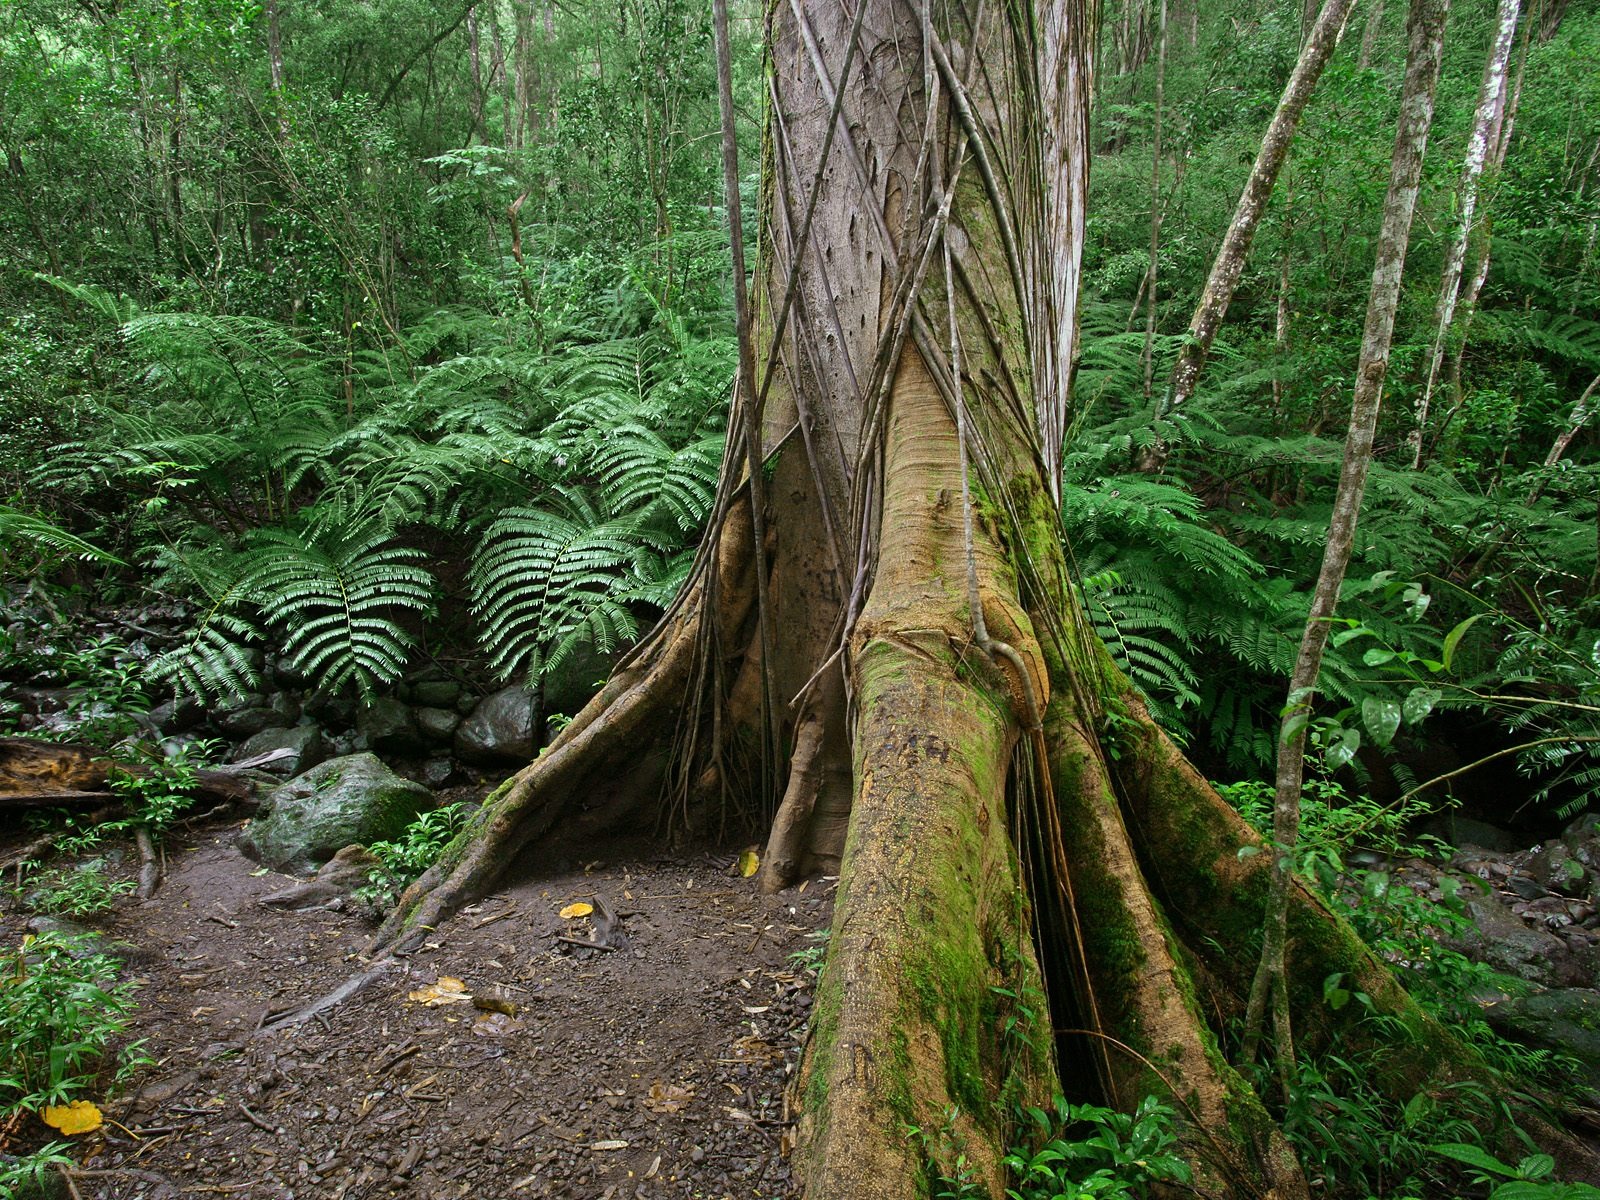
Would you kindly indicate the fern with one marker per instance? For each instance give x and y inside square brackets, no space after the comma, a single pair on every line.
[545,581]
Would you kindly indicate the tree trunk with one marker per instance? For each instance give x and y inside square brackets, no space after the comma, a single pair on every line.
[927,697]
[1425,36]
[1228,266]
[1490,112]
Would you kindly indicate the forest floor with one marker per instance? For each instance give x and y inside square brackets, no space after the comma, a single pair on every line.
[657,1069]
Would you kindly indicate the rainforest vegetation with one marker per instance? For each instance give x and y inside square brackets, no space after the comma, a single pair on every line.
[367,339]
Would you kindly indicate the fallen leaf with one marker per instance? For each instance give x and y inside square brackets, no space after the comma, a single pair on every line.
[749,863]
[609,1144]
[579,909]
[668,1097]
[448,990]
[78,1117]
[496,1024]
[495,1004]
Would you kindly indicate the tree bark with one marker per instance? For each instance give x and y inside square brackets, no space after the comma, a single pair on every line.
[1425,37]
[1490,112]
[891,481]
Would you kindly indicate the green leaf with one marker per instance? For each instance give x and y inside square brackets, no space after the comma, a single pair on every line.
[1453,639]
[1474,1156]
[1341,752]
[1381,718]
[1419,703]
[1377,656]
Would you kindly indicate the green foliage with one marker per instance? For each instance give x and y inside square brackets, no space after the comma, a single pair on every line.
[1086,1151]
[161,790]
[1528,1180]
[80,890]
[418,849]
[61,1012]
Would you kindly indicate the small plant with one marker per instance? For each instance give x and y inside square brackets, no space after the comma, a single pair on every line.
[1528,1180]
[418,849]
[810,958]
[162,790]
[1087,1151]
[61,1012]
[77,891]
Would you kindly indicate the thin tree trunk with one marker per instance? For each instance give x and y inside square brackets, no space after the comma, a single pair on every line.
[1480,146]
[1369,34]
[1155,206]
[1425,38]
[1229,264]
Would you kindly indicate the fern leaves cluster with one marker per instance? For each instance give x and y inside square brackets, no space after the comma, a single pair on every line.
[298,494]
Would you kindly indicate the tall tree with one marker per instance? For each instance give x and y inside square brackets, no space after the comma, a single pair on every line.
[1229,263]
[880,651]
[1490,113]
[1425,38]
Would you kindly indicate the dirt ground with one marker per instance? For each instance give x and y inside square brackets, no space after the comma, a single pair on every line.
[654,1070]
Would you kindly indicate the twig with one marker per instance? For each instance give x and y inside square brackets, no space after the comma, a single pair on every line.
[255,1120]
[149,869]
[571,941]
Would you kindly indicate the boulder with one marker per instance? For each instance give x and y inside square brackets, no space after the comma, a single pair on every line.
[1563,1019]
[438,724]
[499,730]
[1500,938]
[390,727]
[249,715]
[303,741]
[345,800]
[436,693]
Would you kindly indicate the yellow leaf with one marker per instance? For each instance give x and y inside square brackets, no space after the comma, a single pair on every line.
[749,863]
[78,1117]
[580,909]
[448,990]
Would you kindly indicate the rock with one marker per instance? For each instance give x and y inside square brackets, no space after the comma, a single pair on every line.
[438,772]
[177,716]
[345,800]
[574,681]
[339,876]
[1564,1019]
[499,730]
[438,724]
[1502,940]
[332,711]
[1464,831]
[304,740]
[1526,887]
[249,716]
[1556,867]
[436,693]
[389,727]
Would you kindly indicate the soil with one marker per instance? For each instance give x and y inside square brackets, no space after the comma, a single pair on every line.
[656,1069]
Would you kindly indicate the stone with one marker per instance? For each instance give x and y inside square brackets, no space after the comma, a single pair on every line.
[248,716]
[1498,937]
[332,711]
[389,727]
[1464,831]
[438,772]
[305,741]
[1556,867]
[436,693]
[177,716]
[438,724]
[499,730]
[1563,1019]
[572,682]
[343,801]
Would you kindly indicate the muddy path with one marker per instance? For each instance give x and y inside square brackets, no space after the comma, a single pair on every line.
[656,1069]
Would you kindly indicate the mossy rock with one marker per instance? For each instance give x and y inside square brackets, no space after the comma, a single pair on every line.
[352,799]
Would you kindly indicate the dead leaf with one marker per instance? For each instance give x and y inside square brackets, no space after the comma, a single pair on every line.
[609,1144]
[749,863]
[78,1117]
[668,1097]
[448,990]
[575,910]
[496,1024]
[495,1004]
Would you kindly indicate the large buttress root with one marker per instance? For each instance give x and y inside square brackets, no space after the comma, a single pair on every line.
[931,925]
[638,707]
[1145,1003]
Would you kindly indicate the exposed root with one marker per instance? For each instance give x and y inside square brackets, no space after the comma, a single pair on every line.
[276,1021]
[149,865]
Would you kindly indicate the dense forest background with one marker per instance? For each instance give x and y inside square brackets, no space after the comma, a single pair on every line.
[383,332]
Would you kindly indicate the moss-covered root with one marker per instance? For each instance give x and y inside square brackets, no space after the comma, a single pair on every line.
[1142,995]
[930,935]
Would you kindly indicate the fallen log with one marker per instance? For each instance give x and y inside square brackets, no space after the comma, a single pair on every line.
[38,774]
